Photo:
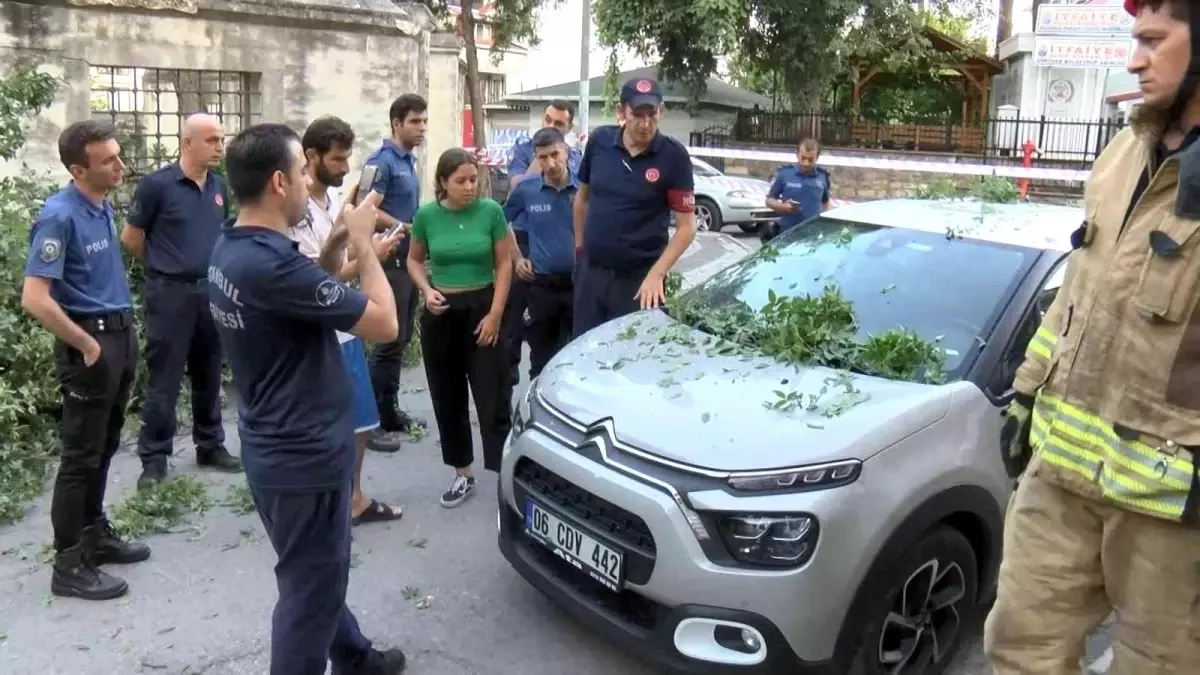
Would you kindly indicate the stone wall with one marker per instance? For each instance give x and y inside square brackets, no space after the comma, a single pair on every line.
[855,184]
[348,58]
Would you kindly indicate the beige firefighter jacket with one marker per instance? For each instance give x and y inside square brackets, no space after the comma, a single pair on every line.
[1115,365]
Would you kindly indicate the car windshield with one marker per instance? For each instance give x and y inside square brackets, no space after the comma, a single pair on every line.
[948,291]
[703,170]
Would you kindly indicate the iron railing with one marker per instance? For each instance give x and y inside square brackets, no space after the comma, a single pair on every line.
[1058,140]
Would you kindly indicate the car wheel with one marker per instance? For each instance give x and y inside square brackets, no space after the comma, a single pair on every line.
[708,216]
[750,228]
[925,602]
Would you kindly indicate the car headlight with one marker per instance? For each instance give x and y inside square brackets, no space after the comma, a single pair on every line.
[769,540]
[823,476]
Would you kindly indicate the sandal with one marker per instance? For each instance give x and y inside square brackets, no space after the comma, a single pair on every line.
[377,512]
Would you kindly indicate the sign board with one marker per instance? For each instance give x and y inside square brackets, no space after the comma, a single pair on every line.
[1065,52]
[1084,20]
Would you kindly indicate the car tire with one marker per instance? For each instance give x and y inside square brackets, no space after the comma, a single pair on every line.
[944,558]
[704,204]
[750,228]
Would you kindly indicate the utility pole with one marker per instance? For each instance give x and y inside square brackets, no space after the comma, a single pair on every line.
[585,48]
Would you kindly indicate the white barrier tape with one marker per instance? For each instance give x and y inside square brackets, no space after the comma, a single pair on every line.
[831,159]
[499,155]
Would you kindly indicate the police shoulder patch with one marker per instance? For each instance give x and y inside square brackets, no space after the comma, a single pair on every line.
[51,250]
[330,293]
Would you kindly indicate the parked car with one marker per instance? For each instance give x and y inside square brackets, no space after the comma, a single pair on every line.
[704,527]
[729,200]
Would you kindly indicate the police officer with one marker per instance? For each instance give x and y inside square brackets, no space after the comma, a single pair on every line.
[543,204]
[75,287]
[801,191]
[558,115]
[398,183]
[632,177]
[277,312]
[173,222]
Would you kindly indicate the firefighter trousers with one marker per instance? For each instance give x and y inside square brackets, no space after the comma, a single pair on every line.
[1069,562]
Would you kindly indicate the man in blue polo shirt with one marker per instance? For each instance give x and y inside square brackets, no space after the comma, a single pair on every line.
[278,311]
[174,219]
[801,191]
[400,187]
[558,115]
[75,287]
[631,179]
[543,204]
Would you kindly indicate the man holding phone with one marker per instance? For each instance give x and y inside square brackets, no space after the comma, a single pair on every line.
[801,191]
[397,182]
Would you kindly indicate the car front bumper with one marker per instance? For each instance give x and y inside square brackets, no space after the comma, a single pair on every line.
[674,590]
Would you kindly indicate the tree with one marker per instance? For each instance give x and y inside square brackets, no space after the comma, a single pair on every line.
[513,22]
[802,47]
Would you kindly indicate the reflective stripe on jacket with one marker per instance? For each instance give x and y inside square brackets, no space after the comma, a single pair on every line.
[1115,364]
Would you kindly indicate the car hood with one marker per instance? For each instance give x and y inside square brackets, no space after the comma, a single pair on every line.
[712,411]
[730,183]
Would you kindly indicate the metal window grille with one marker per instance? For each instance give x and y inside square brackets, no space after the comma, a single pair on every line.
[149,105]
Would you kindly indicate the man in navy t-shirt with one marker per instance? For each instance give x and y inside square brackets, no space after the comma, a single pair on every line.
[277,312]
[632,177]
[75,287]
[801,191]
[543,204]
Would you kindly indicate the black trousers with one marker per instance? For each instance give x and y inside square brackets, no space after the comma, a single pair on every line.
[603,294]
[550,319]
[310,532]
[93,415]
[386,357]
[514,325]
[180,334]
[452,363]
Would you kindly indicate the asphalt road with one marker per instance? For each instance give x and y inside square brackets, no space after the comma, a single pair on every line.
[432,583]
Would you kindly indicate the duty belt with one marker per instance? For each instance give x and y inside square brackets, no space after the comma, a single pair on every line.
[105,323]
[190,279]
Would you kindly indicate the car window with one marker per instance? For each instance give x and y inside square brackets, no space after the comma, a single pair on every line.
[946,290]
[1015,355]
[702,170]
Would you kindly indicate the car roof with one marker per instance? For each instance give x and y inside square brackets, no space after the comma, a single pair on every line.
[1043,226]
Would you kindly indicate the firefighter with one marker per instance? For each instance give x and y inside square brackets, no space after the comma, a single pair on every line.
[1105,429]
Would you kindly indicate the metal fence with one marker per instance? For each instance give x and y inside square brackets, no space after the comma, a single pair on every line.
[1058,140]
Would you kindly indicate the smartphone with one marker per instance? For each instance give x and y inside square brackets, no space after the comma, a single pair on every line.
[369,173]
[393,230]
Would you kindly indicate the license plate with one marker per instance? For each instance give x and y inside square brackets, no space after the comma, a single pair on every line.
[581,550]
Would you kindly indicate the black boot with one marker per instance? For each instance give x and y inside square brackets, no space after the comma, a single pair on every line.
[389,662]
[154,471]
[75,572]
[389,418]
[112,550]
[218,458]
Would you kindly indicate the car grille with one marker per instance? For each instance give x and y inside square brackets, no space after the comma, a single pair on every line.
[604,516]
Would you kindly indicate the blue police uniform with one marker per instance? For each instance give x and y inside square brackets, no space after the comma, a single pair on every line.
[514,325]
[810,189]
[277,311]
[628,213]
[74,244]
[181,220]
[546,213]
[400,186]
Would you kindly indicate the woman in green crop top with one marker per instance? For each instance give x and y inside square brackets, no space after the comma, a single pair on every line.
[464,239]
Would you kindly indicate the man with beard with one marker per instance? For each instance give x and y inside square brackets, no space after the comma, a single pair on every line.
[630,181]
[174,219]
[278,313]
[328,143]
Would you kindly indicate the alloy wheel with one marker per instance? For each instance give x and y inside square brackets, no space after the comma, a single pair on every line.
[921,630]
[703,218]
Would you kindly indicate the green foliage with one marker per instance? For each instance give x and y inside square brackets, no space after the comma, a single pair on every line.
[995,189]
[29,398]
[159,508]
[940,188]
[811,47]
[816,330]
[514,22]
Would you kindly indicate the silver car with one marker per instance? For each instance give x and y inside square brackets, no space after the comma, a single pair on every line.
[655,487]
[729,200]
